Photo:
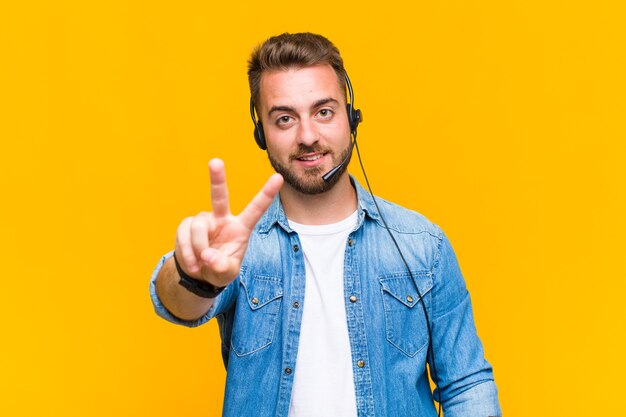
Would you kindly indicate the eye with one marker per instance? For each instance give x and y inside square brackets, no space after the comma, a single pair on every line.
[283,120]
[325,113]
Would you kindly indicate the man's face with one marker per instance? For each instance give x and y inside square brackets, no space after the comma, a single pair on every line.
[305,124]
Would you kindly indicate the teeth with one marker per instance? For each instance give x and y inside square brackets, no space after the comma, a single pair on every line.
[310,158]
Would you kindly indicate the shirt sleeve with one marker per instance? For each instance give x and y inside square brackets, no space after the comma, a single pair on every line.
[220,304]
[463,376]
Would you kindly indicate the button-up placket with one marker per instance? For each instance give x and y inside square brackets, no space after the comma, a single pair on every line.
[296,288]
[356,327]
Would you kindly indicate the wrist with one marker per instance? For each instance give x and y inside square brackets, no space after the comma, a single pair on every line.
[196,286]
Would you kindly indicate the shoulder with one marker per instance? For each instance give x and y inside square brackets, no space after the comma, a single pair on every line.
[403,220]
[397,218]
[420,239]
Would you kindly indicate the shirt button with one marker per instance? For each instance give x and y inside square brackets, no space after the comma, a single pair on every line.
[288,371]
[352,298]
[350,242]
[296,304]
[296,248]
[409,298]
[255,300]
[360,363]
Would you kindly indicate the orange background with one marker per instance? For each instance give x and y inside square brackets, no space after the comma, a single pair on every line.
[503,122]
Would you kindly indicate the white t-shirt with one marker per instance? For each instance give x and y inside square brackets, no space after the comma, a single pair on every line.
[323,379]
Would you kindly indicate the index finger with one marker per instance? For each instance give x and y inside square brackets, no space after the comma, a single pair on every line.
[255,209]
[219,189]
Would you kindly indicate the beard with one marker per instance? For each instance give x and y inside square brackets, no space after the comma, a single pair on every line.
[311,182]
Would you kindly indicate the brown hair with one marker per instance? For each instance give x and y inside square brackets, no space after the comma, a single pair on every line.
[297,50]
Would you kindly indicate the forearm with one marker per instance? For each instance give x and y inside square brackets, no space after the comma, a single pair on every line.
[479,401]
[179,301]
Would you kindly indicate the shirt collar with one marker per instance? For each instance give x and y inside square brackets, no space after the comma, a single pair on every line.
[275,214]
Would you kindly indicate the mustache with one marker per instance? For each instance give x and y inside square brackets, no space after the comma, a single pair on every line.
[304,149]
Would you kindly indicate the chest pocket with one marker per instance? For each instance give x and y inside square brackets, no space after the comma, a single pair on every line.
[256,314]
[405,323]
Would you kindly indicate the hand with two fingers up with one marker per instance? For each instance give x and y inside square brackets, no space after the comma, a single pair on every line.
[210,246]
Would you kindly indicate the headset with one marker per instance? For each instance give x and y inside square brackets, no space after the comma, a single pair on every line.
[354,118]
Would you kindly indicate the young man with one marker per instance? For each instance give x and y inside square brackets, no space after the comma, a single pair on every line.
[319,314]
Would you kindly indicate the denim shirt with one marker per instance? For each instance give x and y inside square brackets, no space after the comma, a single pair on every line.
[259,316]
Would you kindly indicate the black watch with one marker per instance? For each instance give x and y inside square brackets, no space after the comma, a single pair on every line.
[198,287]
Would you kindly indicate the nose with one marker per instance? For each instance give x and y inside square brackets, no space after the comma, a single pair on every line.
[307,132]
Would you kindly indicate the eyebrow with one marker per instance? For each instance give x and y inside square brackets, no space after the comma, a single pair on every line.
[318,103]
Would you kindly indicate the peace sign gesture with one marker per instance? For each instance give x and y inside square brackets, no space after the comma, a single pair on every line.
[210,246]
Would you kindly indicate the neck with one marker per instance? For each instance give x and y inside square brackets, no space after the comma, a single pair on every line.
[330,207]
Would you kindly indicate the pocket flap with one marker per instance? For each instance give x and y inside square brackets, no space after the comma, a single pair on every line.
[261,290]
[402,289]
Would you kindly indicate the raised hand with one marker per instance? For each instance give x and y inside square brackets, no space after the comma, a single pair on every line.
[211,245]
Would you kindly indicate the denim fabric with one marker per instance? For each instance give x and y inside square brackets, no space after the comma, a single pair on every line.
[260,322]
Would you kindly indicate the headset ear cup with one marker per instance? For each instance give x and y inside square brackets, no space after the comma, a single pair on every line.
[358,118]
[259,136]
[354,117]
[350,112]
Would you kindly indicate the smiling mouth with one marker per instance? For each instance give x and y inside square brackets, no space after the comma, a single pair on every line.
[310,157]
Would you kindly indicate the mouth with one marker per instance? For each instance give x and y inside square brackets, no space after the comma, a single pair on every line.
[310,157]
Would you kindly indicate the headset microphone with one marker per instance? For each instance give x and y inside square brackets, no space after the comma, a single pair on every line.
[330,174]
